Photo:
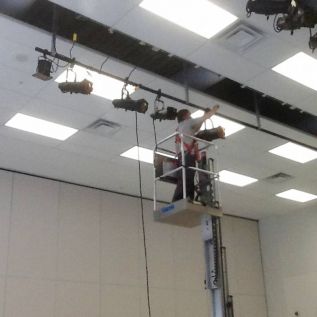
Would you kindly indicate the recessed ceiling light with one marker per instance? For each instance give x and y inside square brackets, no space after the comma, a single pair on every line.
[231,127]
[235,178]
[42,127]
[103,86]
[145,155]
[297,195]
[295,152]
[301,68]
[199,16]
[139,153]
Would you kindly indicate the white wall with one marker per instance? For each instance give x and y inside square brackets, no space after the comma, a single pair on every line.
[70,251]
[289,245]
[241,238]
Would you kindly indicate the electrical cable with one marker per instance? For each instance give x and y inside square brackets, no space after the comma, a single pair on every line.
[131,72]
[104,62]
[71,50]
[155,137]
[57,64]
[142,216]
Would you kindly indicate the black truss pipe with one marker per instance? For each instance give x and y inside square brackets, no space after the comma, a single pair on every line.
[73,61]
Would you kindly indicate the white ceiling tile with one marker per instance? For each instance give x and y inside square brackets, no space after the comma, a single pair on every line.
[156,31]
[20,82]
[106,12]
[283,89]
[224,62]
[261,52]
[288,132]
[11,103]
[19,56]
[27,137]
[6,114]
[22,33]
[310,105]
[255,139]
[88,152]
[107,147]
[57,114]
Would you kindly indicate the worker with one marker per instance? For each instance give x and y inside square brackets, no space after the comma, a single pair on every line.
[190,126]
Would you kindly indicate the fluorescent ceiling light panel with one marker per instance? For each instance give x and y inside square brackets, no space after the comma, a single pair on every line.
[295,152]
[145,155]
[139,153]
[235,178]
[301,68]
[103,86]
[231,127]
[199,16]
[42,127]
[297,195]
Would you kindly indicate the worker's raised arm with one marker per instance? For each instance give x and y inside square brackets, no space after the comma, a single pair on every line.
[197,125]
[210,112]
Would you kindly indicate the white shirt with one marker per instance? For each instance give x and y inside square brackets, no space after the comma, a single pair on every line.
[187,127]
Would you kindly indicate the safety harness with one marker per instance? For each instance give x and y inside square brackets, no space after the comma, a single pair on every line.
[191,148]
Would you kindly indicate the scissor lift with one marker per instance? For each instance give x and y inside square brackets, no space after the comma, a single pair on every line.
[205,211]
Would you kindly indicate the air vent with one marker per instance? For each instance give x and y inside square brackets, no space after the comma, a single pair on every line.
[278,178]
[240,38]
[103,127]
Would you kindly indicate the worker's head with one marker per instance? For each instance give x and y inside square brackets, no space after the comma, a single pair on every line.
[183,114]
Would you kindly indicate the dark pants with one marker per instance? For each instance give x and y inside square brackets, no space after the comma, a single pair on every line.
[190,175]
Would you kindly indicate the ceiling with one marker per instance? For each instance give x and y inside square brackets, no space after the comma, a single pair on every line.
[94,160]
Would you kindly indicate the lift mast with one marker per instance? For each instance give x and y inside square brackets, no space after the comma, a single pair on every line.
[205,211]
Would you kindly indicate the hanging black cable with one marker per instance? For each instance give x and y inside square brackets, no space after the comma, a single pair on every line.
[154,129]
[71,50]
[131,72]
[142,216]
[104,62]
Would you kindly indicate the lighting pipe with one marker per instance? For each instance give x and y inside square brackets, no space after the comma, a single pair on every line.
[73,61]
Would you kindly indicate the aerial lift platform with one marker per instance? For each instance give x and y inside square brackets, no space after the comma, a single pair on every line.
[205,210]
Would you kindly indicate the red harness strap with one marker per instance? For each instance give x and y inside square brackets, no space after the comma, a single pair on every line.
[191,148]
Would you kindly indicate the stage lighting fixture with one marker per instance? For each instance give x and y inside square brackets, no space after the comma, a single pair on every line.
[84,87]
[211,134]
[160,113]
[290,15]
[170,113]
[43,69]
[140,105]
[267,7]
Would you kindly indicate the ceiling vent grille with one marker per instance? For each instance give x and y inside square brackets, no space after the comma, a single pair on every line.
[103,127]
[278,178]
[240,38]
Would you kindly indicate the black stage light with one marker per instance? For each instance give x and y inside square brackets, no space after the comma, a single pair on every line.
[169,114]
[43,69]
[83,87]
[268,7]
[140,105]
[211,134]
[160,113]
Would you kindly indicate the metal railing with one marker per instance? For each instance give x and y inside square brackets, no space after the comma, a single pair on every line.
[179,156]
